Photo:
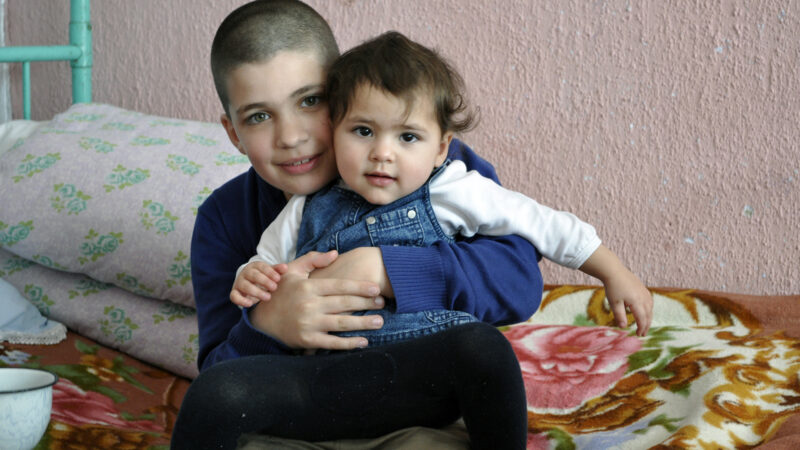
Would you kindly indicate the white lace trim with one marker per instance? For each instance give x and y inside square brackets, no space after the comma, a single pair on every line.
[54,334]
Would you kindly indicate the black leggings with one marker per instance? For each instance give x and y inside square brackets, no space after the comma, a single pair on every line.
[469,370]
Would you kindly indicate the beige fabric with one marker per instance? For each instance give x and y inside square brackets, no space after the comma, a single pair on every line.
[453,437]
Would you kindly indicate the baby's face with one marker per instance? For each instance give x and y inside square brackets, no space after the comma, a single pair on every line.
[279,119]
[385,149]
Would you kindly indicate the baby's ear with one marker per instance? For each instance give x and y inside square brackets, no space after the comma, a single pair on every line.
[444,147]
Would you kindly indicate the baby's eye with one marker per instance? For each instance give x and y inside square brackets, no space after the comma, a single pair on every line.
[409,137]
[258,118]
[311,100]
[362,131]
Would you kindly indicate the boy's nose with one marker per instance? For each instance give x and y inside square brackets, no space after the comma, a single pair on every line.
[289,133]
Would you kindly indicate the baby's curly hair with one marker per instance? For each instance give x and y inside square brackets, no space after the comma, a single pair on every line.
[401,67]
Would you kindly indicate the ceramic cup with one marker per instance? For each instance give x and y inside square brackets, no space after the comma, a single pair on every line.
[26,396]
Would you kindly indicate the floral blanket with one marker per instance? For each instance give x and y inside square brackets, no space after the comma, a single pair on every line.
[103,399]
[715,371]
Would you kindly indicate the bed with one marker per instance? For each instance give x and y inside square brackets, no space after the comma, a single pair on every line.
[98,205]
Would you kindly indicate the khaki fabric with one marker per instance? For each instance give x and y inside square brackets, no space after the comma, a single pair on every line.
[453,437]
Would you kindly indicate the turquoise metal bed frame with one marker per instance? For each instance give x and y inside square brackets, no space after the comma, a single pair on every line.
[78,52]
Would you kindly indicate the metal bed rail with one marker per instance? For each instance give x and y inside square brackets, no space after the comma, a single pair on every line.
[78,52]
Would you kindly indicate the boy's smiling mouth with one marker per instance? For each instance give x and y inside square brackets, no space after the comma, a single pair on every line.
[302,161]
[300,165]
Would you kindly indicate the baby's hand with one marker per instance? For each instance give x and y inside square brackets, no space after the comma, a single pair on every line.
[626,290]
[255,282]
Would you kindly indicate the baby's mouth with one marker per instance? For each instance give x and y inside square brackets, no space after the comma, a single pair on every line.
[379,179]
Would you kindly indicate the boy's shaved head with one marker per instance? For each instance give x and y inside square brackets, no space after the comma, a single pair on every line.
[258,30]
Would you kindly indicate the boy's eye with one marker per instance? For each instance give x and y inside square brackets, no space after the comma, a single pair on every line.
[362,131]
[311,100]
[409,137]
[258,117]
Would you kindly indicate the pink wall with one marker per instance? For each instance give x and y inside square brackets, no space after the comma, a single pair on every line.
[672,126]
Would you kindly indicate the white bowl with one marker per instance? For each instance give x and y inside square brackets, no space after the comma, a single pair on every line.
[26,396]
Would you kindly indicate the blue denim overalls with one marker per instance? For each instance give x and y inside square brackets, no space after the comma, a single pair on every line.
[340,219]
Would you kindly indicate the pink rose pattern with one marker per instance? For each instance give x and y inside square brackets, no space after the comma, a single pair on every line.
[74,406]
[537,441]
[563,366]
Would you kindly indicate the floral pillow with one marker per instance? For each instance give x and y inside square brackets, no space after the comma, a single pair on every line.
[113,194]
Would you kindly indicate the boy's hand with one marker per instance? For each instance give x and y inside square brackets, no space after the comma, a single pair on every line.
[255,282]
[303,311]
[625,290]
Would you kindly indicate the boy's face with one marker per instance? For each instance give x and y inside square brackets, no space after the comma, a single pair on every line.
[384,150]
[279,119]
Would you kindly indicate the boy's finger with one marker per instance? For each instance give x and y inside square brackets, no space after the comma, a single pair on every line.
[347,322]
[336,287]
[351,303]
[332,342]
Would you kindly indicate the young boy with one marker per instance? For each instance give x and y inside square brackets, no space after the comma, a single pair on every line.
[394,107]
[269,61]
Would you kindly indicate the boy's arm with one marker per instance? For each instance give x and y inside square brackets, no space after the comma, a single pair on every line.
[481,276]
[623,289]
[224,331]
[497,279]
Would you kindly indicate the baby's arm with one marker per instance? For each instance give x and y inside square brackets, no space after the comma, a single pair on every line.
[623,289]
[255,282]
[466,203]
[278,245]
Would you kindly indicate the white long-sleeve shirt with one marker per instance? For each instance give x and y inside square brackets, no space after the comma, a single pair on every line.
[465,203]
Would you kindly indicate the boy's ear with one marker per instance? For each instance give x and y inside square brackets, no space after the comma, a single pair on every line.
[228,124]
[444,147]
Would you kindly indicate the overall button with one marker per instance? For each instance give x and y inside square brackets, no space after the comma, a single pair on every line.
[370,220]
[412,214]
